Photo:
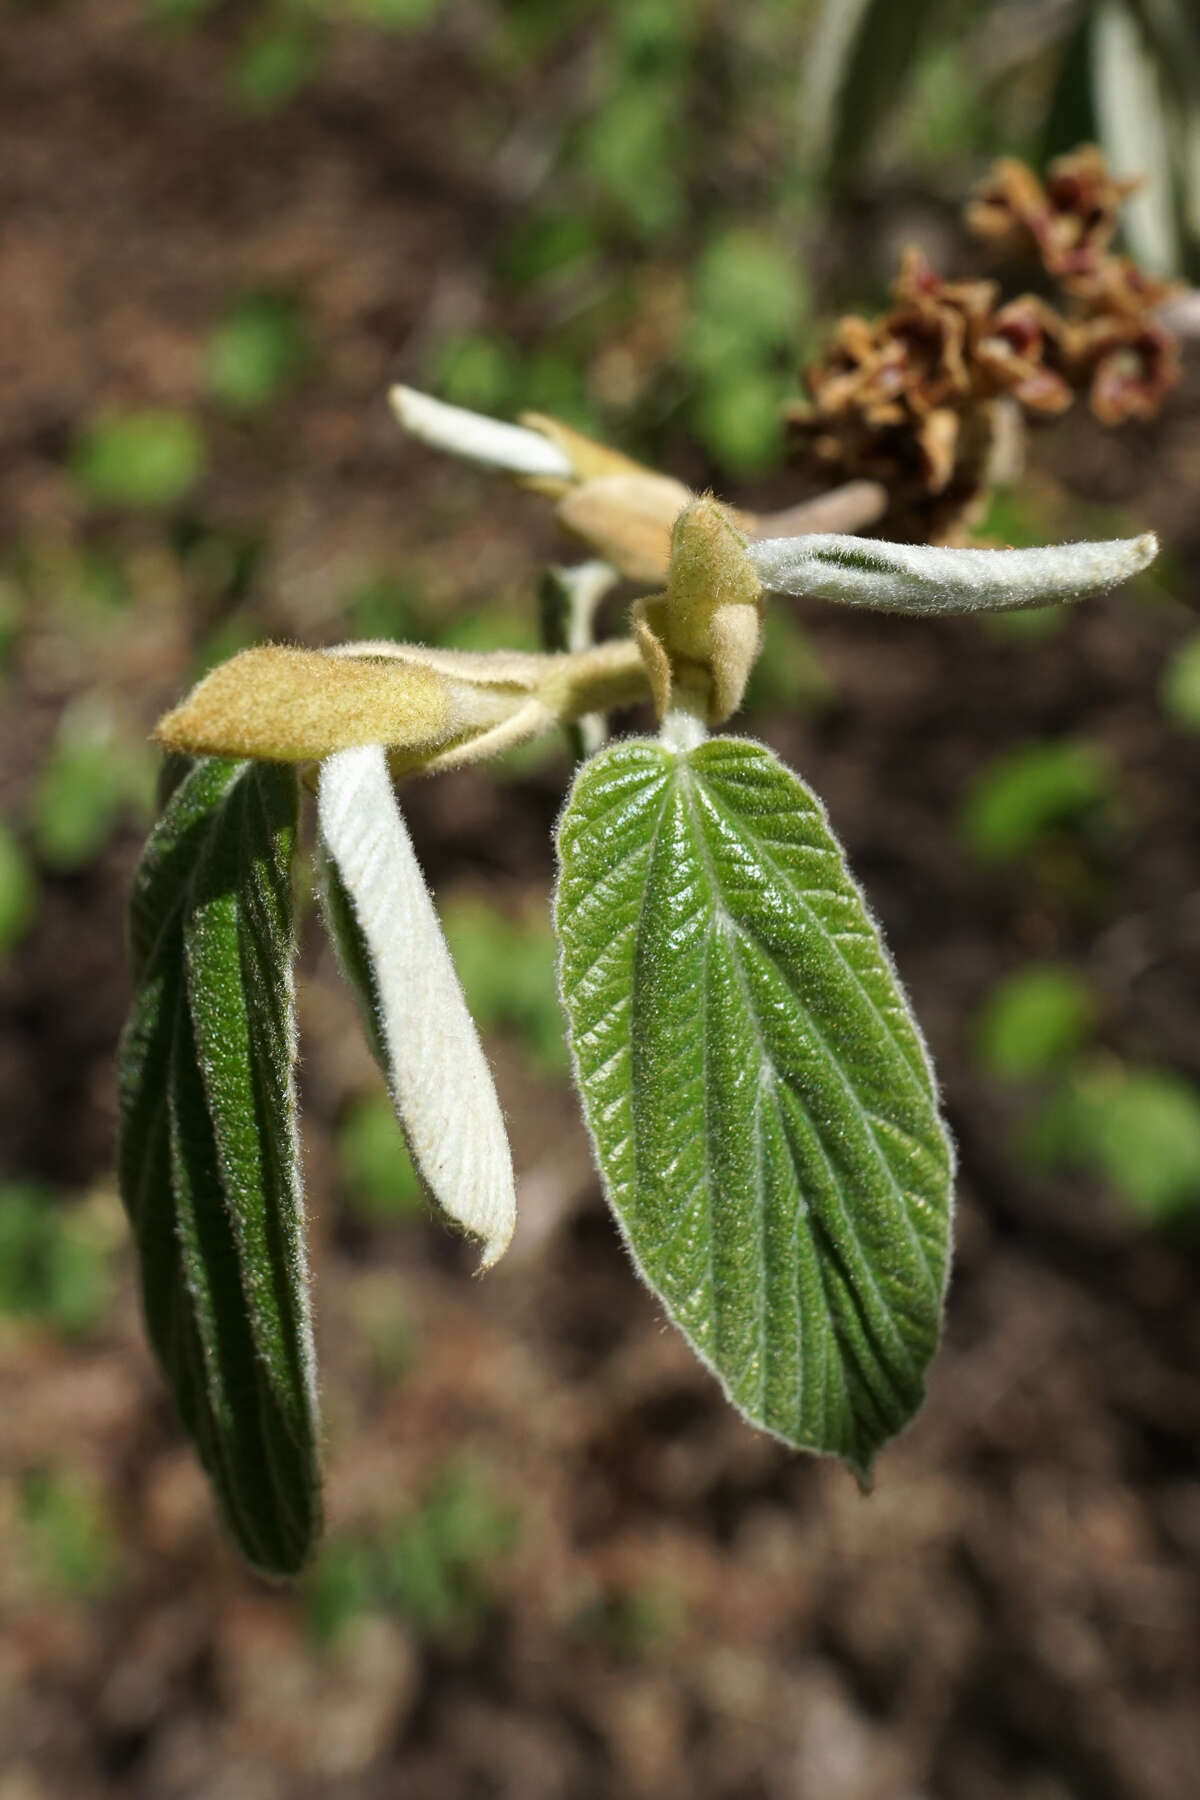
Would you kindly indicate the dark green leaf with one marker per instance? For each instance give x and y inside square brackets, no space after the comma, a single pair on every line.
[208,1156]
[760,1100]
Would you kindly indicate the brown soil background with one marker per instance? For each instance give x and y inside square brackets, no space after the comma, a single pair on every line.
[1015,1612]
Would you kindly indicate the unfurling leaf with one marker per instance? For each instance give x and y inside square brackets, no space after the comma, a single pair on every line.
[208,1156]
[915,578]
[430,708]
[392,950]
[760,1100]
[292,705]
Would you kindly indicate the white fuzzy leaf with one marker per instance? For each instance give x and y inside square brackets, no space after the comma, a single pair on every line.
[478,439]
[439,1078]
[918,578]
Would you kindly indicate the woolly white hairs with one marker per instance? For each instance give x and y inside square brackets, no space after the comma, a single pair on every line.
[479,439]
[440,1081]
[917,578]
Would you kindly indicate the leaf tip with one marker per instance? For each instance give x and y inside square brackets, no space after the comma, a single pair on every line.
[1143,551]
[864,1474]
[496,1243]
[518,449]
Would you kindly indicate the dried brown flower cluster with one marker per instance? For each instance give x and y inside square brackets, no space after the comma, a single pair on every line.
[909,399]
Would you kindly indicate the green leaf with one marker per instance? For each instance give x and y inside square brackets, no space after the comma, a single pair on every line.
[208,1158]
[759,1097]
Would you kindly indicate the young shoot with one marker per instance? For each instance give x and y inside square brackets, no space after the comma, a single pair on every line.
[761,1104]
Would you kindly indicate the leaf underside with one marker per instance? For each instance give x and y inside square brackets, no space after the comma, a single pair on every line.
[392,950]
[208,1158]
[760,1100]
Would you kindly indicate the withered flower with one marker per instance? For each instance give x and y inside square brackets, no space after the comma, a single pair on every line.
[1117,285]
[1022,350]
[1131,365]
[1069,223]
[911,399]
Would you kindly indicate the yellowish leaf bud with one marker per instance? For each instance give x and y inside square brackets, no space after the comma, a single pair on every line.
[288,705]
[710,624]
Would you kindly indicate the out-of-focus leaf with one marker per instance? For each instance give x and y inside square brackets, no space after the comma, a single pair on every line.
[1139,1128]
[861,57]
[1180,690]
[507,968]
[69,1536]
[375,1163]
[1033,1020]
[52,1265]
[630,149]
[255,351]
[92,777]
[140,460]
[1026,792]
[276,62]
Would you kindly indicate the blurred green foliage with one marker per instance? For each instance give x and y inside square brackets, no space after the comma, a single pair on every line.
[55,1260]
[277,59]
[94,776]
[147,459]
[68,1534]
[256,350]
[481,372]
[431,1568]
[387,604]
[788,672]
[375,1164]
[84,587]
[507,969]
[1026,793]
[1033,1021]
[18,890]
[1180,689]
[390,603]
[748,296]
[337,1589]
[1137,1128]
